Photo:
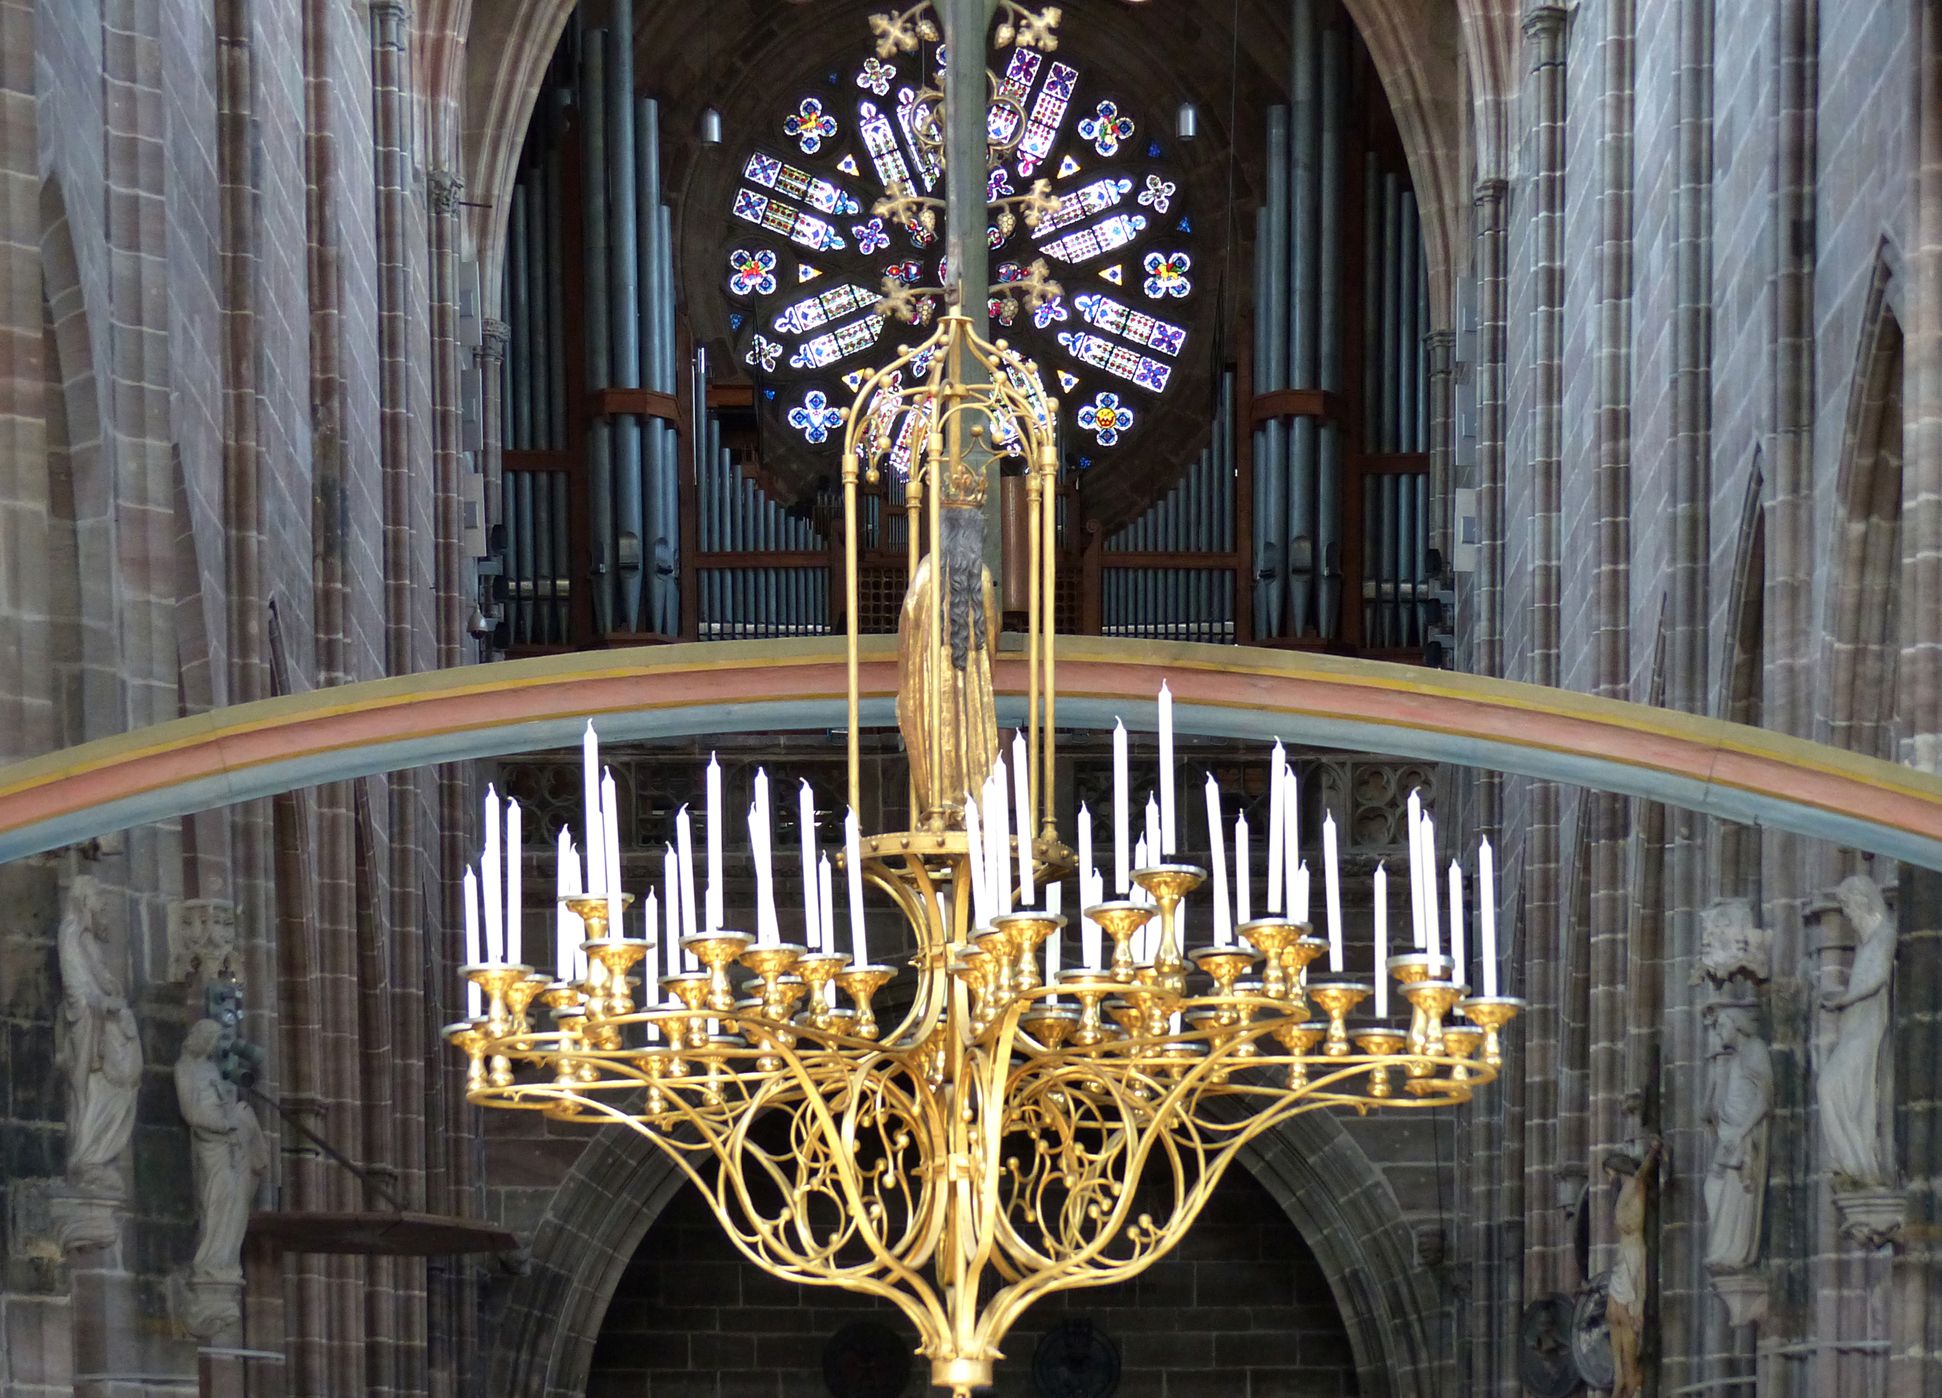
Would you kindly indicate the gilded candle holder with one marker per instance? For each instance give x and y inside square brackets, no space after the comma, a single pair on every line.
[1029,931]
[1491,1013]
[693,989]
[1224,966]
[519,1000]
[466,1037]
[972,966]
[1298,956]
[1120,919]
[1337,999]
[616,957]
[1461,1042]
[1168,884]
[1271,936]
[1383,1045]
[1300,1040]
[1000,946]
[1432,1000]
[771,963]
[1050,1025]
[1089,988]
[595,912]
[1124,1013]
[860,983]
[717,951]
[818,971]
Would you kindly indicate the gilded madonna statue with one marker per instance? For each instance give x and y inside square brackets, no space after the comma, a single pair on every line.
[945,646]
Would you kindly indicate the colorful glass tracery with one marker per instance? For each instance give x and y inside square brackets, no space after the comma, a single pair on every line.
[871,134]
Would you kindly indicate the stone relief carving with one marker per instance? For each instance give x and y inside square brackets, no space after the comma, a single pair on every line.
[202,938]
[1739,1108]
[230,1157]
[1630,1280]
[100,1051]
[1732,943]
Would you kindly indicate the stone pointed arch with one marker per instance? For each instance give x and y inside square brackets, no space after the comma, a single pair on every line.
[1862,624]
[80,490]
[1325,1183]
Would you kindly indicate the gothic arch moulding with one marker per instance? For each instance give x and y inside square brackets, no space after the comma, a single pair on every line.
[1862,628]
[85,625]
[619,1185]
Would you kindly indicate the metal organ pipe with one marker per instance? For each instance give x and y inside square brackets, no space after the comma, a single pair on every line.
[667,536]
[1328,512]
[599,347]
[1304,249]
[625,308]
[1271,373]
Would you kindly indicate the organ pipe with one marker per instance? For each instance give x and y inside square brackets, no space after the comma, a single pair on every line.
[624,292]
[1303,490]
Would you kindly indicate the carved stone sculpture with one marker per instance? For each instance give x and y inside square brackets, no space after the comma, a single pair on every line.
[1629,1283]
[100,1050]
[1731,943]
[230,1157]
[1740,1110]
[1848,1085]
[202,938]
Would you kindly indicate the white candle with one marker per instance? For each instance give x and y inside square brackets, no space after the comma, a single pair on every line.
[1487,911]
[1241,914]
[651,924]
[980,885]
[853,856]
[472,957]
[1277,841]
[492,891]
[1431,902]
[610,865]
[1169,829]
[1456,921]
[1291,830]
[1089,937]
[1085,857]
[684,853]
[1298,895]
[762,832]
[717,814]
[514,894]
[826,898]
[590,783]
[1217,847]
[565,924]
[1122,813]
[997,814]
[671,894]
[1155,840]
[1415,824]
[1382,943]
[1052,939]
[1332,883]
[474,998]
[1022,807]
[812,902]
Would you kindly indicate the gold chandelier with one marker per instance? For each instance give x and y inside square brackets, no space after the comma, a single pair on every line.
[1019,1125]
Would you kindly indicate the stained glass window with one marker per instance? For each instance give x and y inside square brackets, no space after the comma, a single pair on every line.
[811,253]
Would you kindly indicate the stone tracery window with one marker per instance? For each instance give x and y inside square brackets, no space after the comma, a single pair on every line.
[808,254]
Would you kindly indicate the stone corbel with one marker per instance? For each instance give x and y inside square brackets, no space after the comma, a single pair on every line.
[1873,1218]
[1745,1295]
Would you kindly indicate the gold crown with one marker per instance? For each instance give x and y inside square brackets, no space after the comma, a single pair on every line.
[964,477]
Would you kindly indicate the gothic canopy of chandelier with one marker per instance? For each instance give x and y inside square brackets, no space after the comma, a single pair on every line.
[805,257]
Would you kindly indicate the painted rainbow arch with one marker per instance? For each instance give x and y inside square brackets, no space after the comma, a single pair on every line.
[256,750]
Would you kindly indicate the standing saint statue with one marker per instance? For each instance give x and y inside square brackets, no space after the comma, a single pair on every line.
[1848,1085]
[950,677]
[100,1051]
[1630,1281]
[228,1150]
[1740,1108]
